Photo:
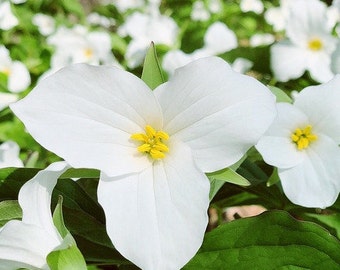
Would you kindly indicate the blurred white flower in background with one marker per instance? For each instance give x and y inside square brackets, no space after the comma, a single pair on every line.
[6,99]
[201,11]
[309,45]
[242,65]
[45,23]
[78,45]
[218,39]
[17,73]
[97,19]
[144,28]
[7,18]
[255,6]
[261,39]
[276,16]
[9,155]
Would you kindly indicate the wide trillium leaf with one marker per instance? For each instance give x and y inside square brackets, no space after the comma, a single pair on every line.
[219,113]
[86,115]
[157,218]
[26,243]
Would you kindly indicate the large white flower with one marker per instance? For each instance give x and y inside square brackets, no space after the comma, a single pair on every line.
[309,45]
[152,147]
[9,155]
[26,243]
[18,75]
[303,142]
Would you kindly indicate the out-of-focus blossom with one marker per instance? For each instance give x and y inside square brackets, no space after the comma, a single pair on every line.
[199,12]
[78,45]
[303,143]
[124,5]
[214,6]
[252,5]
[45,23]
[242,65]
[9,155]
[7,18]
[276,16]
[97,19]
[218,39]
[17,74]
[6,99]
[144,29]
[261,40]
[309,46]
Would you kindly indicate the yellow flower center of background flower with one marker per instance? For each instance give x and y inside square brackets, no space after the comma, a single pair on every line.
[152,142]
[303,137]
[315,44]
[6,71]
[88,53]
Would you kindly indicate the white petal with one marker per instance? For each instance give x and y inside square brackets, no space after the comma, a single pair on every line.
[19,78]
[24,246]
[321,104]
[35,198]
[276,146]
[7,18]
[320,67]
[157,218]
[287,61]
[314,182]
[86,115]
[219,113]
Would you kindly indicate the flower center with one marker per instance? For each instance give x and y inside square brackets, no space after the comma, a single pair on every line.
[303,137]
[6,71]
[152,142]
[88,52]
[315,44]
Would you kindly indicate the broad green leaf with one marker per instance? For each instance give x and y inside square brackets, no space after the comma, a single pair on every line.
[67,256]
[9,210]
[272,240]
[80,173]
[281,96]
[331,221]
[152,73]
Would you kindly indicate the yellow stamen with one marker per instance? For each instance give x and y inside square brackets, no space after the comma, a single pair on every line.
[315,44]
[152,142]
[303,137]
[6,71]
[88,52]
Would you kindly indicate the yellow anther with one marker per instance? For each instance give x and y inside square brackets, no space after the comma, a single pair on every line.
[315,44]
[303,137]
[88,52]
[152,142]
[6,71]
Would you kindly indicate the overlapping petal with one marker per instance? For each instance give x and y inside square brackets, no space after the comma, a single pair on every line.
[163,218]
[288,61]
[87,114]
[26,243]
[321,104]
[314,182]
[276,146]
[219,113]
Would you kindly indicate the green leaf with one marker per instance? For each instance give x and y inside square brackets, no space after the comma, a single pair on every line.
[281,96]
[230,176]
[9,210]
[272,240]
[274,178]
[80,173]
[152,73]
[67,256]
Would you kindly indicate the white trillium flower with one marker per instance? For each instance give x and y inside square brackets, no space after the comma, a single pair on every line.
[152,147]
[26,243]
[7,18]
[310,44]
[18,76]
[9,155]
[303,143]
